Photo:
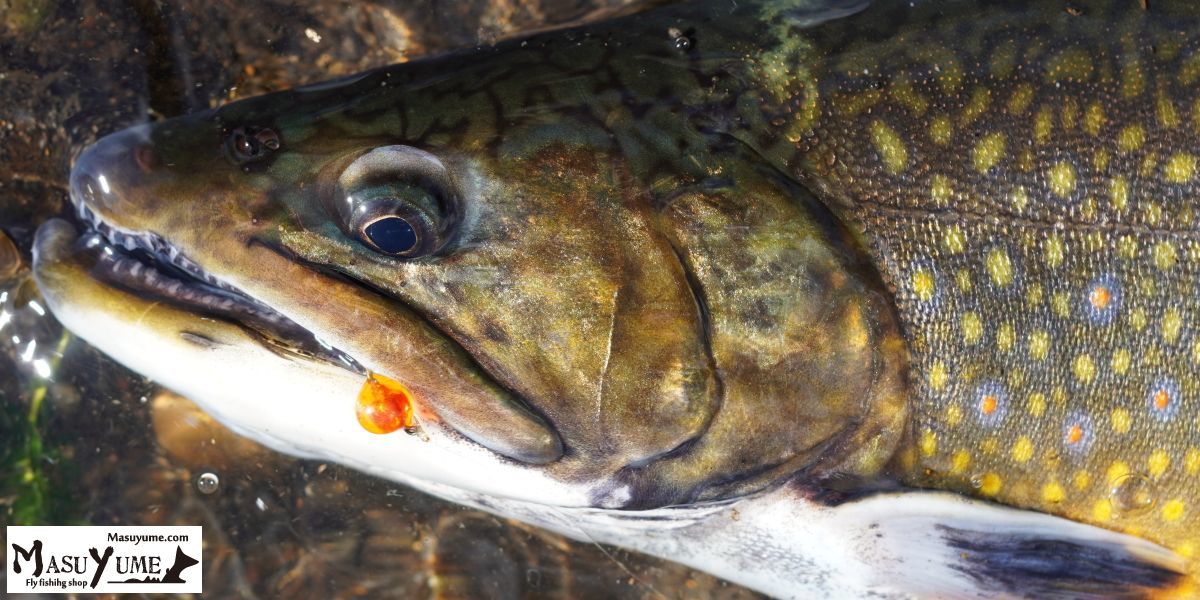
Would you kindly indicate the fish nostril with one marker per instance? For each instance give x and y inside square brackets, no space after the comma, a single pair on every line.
[143,155]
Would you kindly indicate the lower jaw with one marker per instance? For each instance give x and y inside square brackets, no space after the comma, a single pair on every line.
[173,279]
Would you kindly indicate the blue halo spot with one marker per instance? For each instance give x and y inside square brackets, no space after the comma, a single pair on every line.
[1163,399]
[1102,299]
[990,403]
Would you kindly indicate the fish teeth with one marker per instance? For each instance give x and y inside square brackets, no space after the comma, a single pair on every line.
[164,251]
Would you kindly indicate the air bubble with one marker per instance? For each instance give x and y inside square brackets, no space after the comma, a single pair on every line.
[678,39]
[207,483]
[1133,494]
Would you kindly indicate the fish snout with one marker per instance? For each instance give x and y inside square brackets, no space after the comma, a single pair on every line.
[100,178]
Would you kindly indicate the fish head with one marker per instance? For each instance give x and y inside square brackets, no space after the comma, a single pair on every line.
[548,303]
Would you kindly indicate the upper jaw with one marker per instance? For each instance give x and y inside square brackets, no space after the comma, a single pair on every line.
[149,264]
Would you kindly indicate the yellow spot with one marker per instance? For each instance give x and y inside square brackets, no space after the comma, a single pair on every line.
[1173,510]
[990,484]
[1019,197]
[1042,124]
[1116,471]
[954,240]
[1081,480]
[928,443]
[1121,421]
[1127,247]
[1168,117]
[988,152]
[1102,510]
[1189,70]
[890,147]
[1053,493]
[923,284]
[1034,295]
[1020,100]
[962,460]
[999,266]
[1120,193]
[981,97]
[1186,550]
[1131,138]
[904,93]
[1164,255]
[1148,163]
[1039,344]
[1132,79]
[1004,58]
[1025,160]
[1172,323]
[1070,111]
[1072,64]
[1157,463]
[1062,179]
[1084,368]
[963,279]
[1022,450]
[1137,318]
[1061,302]
[1093,120]
[1037,407]
[938,376]
[1191,461]
[972,327]
[1006,337]
[953,415]
[940,130]
[1180,168]
[1053,251]
[939,189]
[1154,213]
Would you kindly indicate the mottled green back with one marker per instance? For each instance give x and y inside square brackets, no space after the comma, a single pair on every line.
[1026,177]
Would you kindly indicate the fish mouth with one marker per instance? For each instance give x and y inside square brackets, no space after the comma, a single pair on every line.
[117,189]
[150,266]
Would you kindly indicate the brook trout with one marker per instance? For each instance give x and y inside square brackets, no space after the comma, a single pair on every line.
[826,298]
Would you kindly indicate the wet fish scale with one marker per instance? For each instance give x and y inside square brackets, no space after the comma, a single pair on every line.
[1026,179]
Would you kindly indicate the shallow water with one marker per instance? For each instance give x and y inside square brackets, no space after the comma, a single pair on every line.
[83,440]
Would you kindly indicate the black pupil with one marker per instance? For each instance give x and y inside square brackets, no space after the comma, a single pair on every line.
[392,235]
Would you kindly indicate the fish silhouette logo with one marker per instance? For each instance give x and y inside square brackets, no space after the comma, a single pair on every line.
[172,574]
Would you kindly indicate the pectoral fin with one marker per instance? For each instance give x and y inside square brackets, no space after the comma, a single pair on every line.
[942,545]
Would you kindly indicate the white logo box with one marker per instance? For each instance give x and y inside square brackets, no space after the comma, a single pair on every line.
[103,559]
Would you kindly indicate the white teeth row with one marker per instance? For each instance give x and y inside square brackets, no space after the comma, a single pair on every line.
[151,243]
[233,303]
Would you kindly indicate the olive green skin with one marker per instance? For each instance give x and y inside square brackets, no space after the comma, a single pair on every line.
[702,250]
[629,297]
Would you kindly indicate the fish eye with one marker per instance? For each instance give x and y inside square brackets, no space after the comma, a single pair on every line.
[392,235]
[393,219]
[398,201]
